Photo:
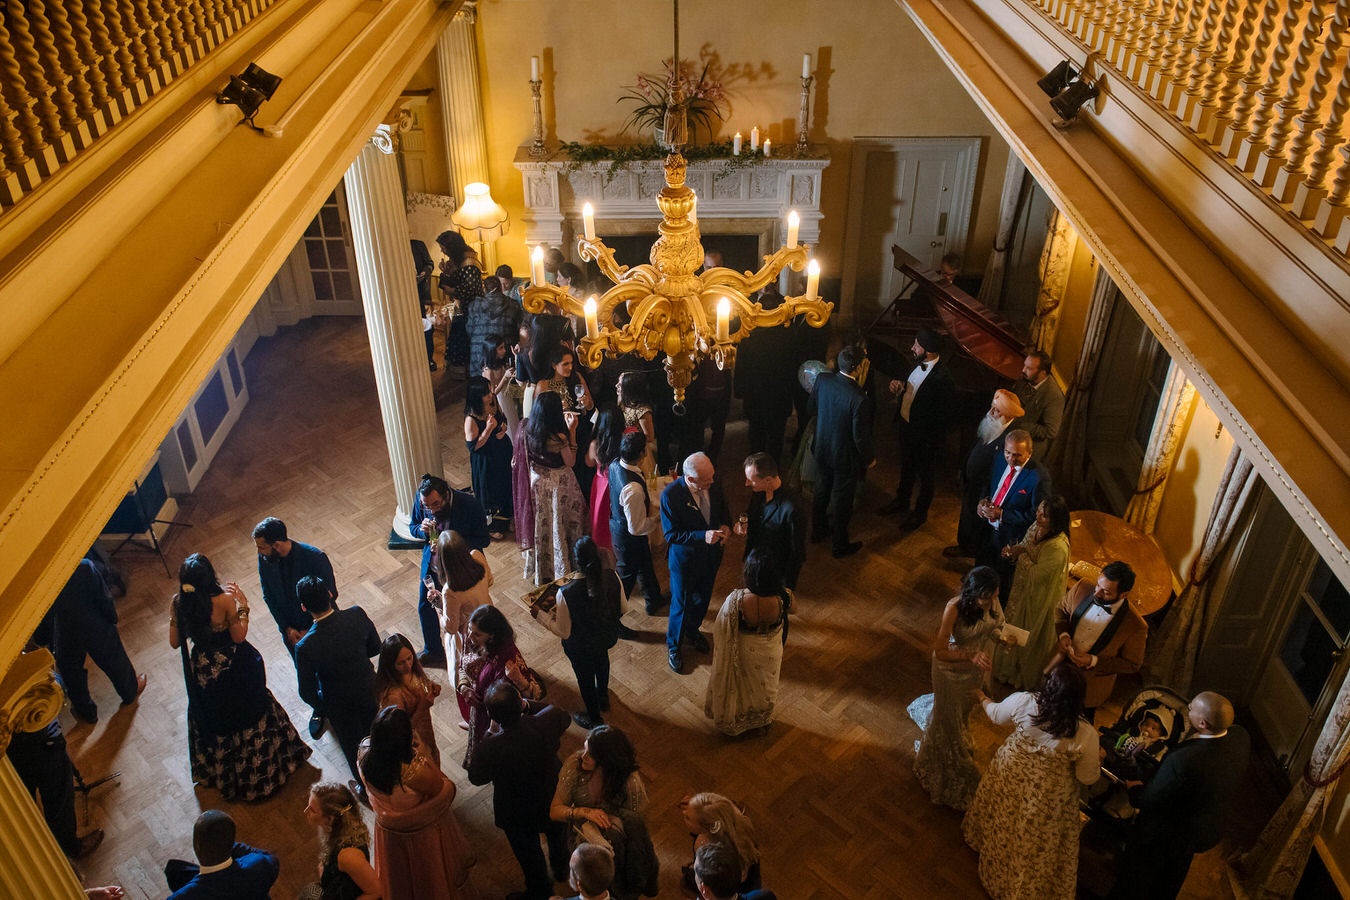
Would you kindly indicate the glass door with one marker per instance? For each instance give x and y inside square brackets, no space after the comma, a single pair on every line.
[332,266]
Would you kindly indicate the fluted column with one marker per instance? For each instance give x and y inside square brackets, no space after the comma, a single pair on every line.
[462,106]
[32,866]
[393,319]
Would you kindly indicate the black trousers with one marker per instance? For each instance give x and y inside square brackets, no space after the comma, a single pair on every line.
[767,432]
[102,644]
[635,566]
[918,463]
[1154,868]
[701,413]
[525,845]
[591,666]
[834,492]
[44,767]
[350,727]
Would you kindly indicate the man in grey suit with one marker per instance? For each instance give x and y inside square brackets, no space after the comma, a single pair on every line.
[1042,401]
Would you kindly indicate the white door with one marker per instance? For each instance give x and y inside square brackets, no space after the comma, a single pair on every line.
[913,192]
[327,245]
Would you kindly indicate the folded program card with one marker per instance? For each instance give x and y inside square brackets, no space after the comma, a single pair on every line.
[1019,635]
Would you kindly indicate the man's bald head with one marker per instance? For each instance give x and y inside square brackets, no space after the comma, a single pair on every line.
[1211,713]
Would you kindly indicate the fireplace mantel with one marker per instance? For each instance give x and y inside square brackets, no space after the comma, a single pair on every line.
[764,190]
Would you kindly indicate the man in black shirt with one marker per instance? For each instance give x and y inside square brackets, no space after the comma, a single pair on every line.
[773,523]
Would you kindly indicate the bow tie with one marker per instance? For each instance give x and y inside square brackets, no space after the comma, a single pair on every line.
[1102,603]
[923,367]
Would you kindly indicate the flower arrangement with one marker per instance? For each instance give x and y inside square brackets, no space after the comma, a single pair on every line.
[704,97]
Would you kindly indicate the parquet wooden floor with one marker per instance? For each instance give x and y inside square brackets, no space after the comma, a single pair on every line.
[830,789]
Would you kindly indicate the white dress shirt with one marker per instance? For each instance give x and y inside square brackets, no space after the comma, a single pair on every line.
[633,501]
[1016,473]
[916,377]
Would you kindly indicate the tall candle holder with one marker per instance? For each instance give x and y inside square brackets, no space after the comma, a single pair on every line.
[803,123]
[537,145]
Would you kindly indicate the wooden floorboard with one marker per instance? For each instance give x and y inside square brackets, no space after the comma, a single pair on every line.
[830,789]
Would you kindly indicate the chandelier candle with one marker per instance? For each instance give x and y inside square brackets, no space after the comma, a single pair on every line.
[724,319]
[537,266]
[592,323]
[794,222]
[812,280]
[588,220]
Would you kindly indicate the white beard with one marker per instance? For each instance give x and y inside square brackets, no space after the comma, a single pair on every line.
[991,426]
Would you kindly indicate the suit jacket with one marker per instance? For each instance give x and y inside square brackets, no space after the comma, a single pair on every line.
[250,878]
[522,763]
[980,461]
[1192,794]
[85,605]
[1123,653]
[332,662]
[280,576]
[684,528]
[763,379]
[1042,411]
[1019,507]
[465,515]
[843,413]
[932,405]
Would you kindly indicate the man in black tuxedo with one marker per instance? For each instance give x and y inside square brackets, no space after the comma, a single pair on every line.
[842,449]
[1016,486]
[521,761]
[925,398]
[696,524]
[332,662]
[282,562]
[993,429]
[1182,810]
[225,869]
[436,509]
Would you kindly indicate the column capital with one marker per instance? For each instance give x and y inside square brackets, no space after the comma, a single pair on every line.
[468,12]
[29,695]
[383,138]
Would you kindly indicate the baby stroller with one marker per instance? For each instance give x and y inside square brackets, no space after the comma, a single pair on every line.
[1150,726]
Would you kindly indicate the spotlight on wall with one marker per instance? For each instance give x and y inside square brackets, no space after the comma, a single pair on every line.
[1072,98]
[250,91]
[1057,79]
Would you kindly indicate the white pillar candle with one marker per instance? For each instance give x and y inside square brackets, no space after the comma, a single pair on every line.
[534,68]
[794,223]
[588,220]
[806,65]
[767,142]
[693,210]
[812,280]
[736,145]
[592,325]
[723,319]
[537,266]
[754,139]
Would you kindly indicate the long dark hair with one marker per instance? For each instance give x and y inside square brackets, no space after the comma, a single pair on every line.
[476,390]
[386,673]
[980,581]
[491,360]
[390,748]
[763,574]
[616,759]
[455,564]
[489,620]
[546,422]
[608,433]
[635,391]
[586,557]
[1057,511]
[197,585]
[1059,701]
[453,245]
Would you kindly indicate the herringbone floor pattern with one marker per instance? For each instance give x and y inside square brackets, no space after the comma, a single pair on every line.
[837,810]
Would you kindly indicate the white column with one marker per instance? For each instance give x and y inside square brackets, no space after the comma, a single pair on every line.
[393,319]
[462,106]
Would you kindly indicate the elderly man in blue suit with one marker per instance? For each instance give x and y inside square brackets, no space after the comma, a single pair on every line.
[1017,485]
[438,508]
[695,521]
[225,870]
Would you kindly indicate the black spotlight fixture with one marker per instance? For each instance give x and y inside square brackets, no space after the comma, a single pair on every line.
[1067,103]
[250,91]
[1057,79]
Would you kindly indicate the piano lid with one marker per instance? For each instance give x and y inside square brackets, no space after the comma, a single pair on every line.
[980,331]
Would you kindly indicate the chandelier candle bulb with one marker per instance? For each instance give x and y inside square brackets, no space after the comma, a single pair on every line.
[592,323]
[537,266]
[794,222]
[812,280]
[806,65]
[588,221]
[534,68]
[693,211]
[767,142]
[736,145]
[723,319]
[754,139]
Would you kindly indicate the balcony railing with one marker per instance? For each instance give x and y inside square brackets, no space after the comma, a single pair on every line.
[1265,83]
[70,70]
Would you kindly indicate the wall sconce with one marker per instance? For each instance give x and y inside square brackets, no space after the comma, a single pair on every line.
[480,218]
[1072,98]
[250,91]
[1057,79]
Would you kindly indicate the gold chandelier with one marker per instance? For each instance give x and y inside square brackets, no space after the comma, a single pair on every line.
[671,307]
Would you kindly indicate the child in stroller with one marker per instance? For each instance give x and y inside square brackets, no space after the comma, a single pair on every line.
[1135,753]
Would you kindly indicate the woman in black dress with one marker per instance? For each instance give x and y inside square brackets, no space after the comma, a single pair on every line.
[345,872]
[240,739]
[462,277]
[485,434]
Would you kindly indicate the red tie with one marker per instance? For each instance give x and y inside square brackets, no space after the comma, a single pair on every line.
[1004,485]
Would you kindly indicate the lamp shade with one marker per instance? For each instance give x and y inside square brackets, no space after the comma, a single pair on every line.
[480,218]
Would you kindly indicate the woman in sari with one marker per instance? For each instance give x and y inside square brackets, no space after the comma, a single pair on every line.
[401,681]
[604,450]
[636,404]
[1038,585]
[748,650]
[418,848]
[490,653]
[568,382]
[559,510]
[240,740]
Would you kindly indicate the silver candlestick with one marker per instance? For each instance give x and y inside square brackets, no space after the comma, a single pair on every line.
[803,117]
[537,145]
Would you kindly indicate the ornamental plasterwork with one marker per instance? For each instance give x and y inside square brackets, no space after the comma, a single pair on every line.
[29,695]
[803,189]
[763,184]
[539,191]
[439,203]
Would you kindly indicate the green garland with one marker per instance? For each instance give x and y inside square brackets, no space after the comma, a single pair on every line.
[619,158]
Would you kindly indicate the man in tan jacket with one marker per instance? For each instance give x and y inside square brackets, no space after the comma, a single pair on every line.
[1100,632]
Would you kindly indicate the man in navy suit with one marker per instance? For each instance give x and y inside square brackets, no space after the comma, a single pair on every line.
[1182,810]
[1016,487]
[282,562]
[842,448]
[694,518]
[332,662]
[522,763]
[226,870]
[717,875]
[436,509]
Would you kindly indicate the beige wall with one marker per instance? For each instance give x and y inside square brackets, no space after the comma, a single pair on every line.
[1191,488]
[876,77]
[1334,840]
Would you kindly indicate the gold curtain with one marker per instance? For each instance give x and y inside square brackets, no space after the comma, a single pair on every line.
[1056,256]
[1069,449]
[1175,404]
